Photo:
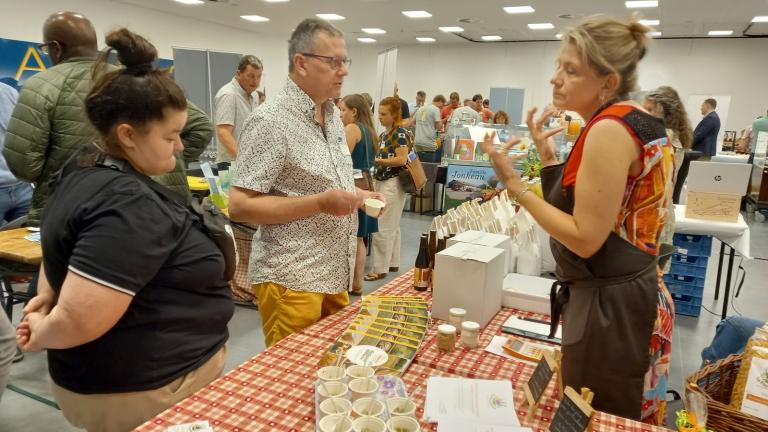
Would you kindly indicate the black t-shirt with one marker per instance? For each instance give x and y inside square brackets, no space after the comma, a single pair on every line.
[404,110]
[111,228]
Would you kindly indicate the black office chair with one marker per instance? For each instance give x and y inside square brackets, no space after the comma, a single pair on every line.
[690,155]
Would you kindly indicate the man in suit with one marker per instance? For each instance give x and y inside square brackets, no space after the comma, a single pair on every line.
[705,134]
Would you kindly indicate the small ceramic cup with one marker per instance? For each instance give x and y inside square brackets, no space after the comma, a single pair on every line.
[332,389]
[402,424]
[367,407]
[363,387]
[357,371]
[369,424]
[333,406]
[373,207]
[336,423]
[400,406]
[330,373]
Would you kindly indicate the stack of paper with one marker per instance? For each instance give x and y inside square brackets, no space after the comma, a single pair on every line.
[459,404]
[396,324]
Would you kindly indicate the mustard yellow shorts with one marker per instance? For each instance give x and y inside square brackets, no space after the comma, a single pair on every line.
[285,311]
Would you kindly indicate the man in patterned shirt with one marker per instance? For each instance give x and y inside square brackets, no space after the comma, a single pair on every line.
[297,184]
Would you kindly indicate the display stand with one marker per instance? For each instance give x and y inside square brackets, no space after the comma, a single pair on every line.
[574,413]
[538,382]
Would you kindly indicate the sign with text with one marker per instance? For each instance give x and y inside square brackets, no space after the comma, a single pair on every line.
[573,415]
[468,182]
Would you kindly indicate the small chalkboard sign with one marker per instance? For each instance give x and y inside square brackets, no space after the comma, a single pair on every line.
[539,381]
[574,413]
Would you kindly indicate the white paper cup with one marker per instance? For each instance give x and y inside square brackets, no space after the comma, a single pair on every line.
[334,406]
[357,371]
[332,389]
[330,373]
[400,423]
[373,207]
[369,424]
[363,387]
[367,407]
[331,423]
[400,406]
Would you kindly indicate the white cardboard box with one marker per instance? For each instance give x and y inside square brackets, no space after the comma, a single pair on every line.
[500,241]
[470,277]
[527,293]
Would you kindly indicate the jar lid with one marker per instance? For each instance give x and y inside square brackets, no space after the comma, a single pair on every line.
[446,329]
[457,311]
[470,325]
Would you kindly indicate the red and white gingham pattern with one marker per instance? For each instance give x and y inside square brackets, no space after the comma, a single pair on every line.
[274,390]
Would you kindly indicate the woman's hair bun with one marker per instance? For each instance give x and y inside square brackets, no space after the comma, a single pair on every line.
[132,49]
[639,32]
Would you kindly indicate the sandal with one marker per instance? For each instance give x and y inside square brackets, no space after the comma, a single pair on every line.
[394,269]
[356,291]
[374,276]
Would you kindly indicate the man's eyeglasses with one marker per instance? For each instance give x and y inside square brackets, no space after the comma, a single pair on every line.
[334,62]
[46,47]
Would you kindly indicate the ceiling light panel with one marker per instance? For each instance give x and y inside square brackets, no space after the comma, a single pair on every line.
[720,32]
[650,22]
[559,35]
[190,2]
[417,14]
[426,39]
[654,34]
[451,29]
[491,38]
[373,30]
[760,19]
[641,4]
[366,40]
[254,18]
[519,9]
[330,17]
[541,26]
[277,1]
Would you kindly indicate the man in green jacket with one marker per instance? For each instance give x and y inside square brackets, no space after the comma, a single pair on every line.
[49,123]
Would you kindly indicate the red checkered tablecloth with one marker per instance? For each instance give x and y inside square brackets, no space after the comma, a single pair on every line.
[274,390]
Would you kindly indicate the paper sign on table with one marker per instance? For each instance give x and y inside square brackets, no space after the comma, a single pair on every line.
[464,425]
[198,426]
[478,401]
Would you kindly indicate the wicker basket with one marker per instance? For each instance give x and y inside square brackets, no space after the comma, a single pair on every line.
[715,383]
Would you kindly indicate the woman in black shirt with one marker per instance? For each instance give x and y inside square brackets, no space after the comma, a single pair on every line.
[133,302]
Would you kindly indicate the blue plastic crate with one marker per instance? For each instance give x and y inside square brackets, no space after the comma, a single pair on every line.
[683,269]
[691,300]
[691,260]
[686,290]
[696,245]
[687,309]
[679,279]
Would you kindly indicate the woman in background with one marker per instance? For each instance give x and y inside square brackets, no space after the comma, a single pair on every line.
[394,146]
[361,139]
[665,103]
[501,117]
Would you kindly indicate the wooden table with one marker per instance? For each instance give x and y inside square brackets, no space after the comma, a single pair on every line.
[274,391]
[14,247]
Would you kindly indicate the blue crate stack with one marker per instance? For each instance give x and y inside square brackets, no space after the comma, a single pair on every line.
[688,272]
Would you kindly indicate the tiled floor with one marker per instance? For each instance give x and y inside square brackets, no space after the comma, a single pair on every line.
[20,413]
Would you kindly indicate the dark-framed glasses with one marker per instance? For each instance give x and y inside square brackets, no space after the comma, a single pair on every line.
[334,62]
[46,47]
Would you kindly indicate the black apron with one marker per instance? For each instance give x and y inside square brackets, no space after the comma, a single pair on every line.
[609,306]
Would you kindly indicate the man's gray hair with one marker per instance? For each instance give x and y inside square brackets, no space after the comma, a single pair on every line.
[303,38]
[249,60]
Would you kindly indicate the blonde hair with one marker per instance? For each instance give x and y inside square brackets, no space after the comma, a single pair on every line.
[608,46]
[669,107]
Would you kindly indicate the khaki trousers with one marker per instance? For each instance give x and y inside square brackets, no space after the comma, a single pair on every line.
[121,412]
[386,242]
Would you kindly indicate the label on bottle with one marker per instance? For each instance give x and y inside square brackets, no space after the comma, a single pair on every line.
[421,277]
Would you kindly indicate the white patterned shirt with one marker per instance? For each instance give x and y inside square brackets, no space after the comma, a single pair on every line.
[232,107]
[283,152]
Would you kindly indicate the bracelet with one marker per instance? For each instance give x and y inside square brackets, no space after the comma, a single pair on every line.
[521,193]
